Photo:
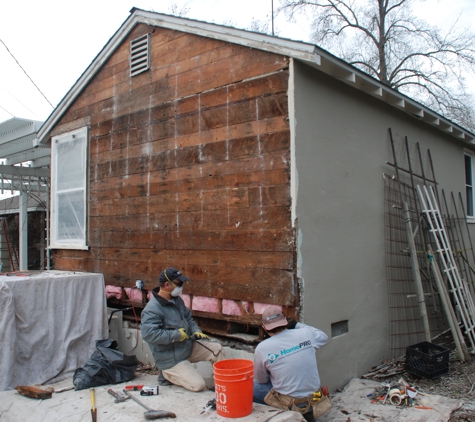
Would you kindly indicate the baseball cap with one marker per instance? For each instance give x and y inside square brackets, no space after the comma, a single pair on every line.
[273,317]
[171,274]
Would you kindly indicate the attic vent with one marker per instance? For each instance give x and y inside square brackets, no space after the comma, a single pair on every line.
[140,55]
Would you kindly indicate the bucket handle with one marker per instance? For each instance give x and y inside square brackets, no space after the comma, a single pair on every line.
[245,377]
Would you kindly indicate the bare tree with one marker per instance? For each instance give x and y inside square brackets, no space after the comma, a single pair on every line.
[174,9]
[386,40]
[258,25]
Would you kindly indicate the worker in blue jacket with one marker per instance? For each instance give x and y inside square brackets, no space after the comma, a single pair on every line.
[171,332]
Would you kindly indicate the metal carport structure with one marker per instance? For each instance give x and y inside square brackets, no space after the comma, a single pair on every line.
[25,169]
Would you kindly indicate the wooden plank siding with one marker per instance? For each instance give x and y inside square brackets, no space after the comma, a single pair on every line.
[189,166]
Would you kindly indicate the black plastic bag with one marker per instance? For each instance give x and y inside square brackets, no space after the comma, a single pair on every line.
[107,365]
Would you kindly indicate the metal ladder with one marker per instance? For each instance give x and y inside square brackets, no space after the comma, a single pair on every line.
[458,286]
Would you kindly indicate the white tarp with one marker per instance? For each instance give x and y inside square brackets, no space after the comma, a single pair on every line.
[49,323]
[75,406]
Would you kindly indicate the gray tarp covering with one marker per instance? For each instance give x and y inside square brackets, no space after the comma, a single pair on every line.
[49,322]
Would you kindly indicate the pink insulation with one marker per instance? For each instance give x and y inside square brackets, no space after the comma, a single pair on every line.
[135,295]
[113,292]
[259,308]
[230,307]
[187,300]
[206,304]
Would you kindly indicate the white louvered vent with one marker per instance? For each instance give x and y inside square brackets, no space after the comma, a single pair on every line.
[140,55]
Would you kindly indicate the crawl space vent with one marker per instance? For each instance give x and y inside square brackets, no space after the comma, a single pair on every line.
[140,55]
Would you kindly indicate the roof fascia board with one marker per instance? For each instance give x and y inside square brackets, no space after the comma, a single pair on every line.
[354,77]
[307,53]
[297,49]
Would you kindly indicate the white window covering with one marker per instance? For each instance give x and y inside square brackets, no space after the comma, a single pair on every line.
[68,190]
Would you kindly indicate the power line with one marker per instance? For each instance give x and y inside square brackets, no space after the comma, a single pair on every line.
[27,74]
[4,109]
[9,93]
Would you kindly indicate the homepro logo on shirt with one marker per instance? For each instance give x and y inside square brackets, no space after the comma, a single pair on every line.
[273,356]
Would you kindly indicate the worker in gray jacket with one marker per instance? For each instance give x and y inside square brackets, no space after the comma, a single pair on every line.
[171,332]
[285,365]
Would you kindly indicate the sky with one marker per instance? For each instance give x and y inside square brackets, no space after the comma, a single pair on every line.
[45,45]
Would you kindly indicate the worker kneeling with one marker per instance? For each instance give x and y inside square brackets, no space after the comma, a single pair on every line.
[285,366]
[172,333]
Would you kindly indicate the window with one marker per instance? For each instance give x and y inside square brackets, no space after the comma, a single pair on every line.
[68,190]
[469,184]
[140,55]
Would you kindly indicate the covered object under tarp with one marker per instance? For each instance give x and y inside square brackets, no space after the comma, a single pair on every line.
[49,323]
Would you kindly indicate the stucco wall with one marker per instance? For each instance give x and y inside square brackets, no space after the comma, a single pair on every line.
[341,146]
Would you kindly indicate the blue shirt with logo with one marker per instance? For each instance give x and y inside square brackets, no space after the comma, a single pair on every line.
[288,360]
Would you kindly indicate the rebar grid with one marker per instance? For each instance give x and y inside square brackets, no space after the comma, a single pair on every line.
[406,326]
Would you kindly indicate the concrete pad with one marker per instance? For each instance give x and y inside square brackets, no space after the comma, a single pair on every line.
[75,406]
[353,404]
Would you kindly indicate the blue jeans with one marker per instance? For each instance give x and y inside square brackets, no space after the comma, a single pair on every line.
[260,391]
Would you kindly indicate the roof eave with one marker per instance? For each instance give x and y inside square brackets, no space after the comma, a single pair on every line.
[350,75]
[307,53]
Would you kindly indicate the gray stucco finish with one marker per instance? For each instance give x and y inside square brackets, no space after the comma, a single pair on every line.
[341,147]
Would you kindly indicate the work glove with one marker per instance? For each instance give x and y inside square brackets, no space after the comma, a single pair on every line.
[184,336]
[200,335]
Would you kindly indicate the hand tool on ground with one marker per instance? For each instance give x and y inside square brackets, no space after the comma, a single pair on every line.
[93,405]
[119,398]
[149,390]
[134,387]
[210,405]
[150,413]
[33,392]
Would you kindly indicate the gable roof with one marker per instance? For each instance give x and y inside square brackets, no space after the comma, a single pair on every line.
[308,53]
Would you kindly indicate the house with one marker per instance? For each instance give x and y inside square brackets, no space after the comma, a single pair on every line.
[254,164]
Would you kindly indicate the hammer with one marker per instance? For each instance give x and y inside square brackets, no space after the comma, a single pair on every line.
[150,413]
[118,397]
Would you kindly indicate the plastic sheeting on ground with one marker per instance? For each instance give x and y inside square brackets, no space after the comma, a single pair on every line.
[49,322]
[107,365]
[75,406]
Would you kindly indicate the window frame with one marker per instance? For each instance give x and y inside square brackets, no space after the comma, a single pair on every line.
[469,185]
[56,241]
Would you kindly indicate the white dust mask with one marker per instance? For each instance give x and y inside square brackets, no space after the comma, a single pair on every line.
[177,291]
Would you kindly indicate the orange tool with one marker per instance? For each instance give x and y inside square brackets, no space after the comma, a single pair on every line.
[134,387]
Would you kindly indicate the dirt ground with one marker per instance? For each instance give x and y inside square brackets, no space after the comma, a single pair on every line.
[458,383]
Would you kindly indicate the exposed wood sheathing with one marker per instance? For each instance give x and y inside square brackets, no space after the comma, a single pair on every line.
[190,167]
